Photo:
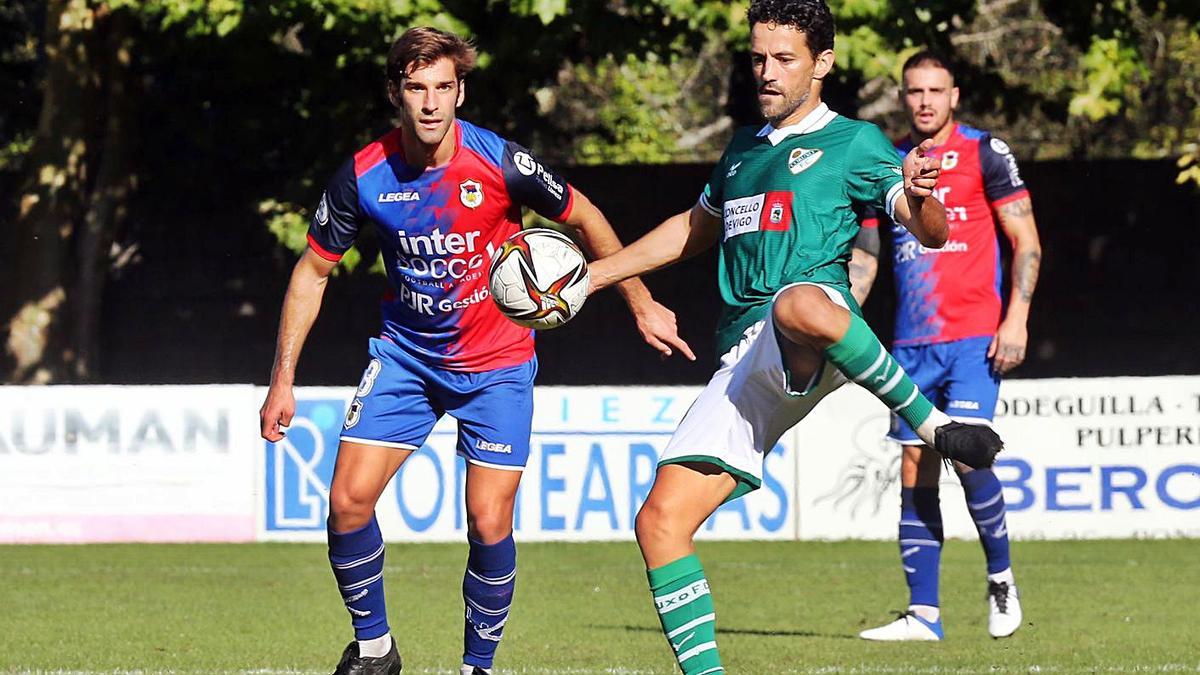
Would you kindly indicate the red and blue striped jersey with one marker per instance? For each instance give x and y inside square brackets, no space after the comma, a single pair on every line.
[953,292]
[437,229]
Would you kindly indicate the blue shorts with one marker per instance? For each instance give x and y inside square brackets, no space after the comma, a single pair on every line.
[956,377]
[400,398]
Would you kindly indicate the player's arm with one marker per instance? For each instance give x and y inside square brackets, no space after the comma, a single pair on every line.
[1005,190]
[331,233]
[679,237]
[300,307]
[1007,350]
[917,209]
[655,322]
[864,258]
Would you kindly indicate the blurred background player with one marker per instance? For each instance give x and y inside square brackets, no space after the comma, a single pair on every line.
[780,204]
[442,194]
[950,336]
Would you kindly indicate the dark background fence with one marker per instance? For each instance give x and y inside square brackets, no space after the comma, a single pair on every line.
[1119,291]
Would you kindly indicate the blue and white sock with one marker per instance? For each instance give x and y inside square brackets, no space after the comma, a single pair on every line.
[357,561]
[921,544]
[487,592]
[985,501]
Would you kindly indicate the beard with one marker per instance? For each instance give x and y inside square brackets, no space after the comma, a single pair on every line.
[779,110]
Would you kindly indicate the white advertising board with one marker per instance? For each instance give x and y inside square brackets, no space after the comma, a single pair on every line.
[1114,457]
[1084,458]
[592,460]
[101,464]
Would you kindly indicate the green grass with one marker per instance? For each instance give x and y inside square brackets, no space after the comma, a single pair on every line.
[1103,606]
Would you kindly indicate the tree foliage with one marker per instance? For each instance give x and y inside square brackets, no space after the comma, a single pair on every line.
[123,105]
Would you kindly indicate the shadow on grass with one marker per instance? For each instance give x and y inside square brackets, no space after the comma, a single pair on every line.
[736,631]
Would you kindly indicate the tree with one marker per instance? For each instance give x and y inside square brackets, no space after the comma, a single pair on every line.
[78,181]
[248,106]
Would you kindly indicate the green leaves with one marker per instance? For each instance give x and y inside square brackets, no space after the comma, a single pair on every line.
[1109,73]
[545,10]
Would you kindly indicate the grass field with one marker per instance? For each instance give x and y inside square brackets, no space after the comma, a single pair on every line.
[1104,606]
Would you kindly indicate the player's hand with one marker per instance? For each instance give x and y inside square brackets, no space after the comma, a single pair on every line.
[276,412]
[656,323]
[1007,350]
[921,171]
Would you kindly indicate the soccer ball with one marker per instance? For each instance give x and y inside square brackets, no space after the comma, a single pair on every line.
[538,278]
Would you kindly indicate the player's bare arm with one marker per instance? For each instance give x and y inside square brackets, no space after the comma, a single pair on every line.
[679,237]
[300,307]
[655,322]
[1007,350]
[864,263]
[920,212]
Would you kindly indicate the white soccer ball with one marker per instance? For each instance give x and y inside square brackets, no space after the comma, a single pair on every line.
[538,278]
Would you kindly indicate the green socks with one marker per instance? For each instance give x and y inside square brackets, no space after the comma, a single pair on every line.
[685,610]
[861,357]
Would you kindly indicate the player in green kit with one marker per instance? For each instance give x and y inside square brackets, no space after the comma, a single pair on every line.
[781,205]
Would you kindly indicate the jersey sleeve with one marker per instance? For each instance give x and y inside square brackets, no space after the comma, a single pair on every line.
[335,222]
[1001,177]
[873,174]
[712,198]
[531,183]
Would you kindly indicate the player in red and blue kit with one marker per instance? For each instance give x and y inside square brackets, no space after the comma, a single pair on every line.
[950,337]
[442,195]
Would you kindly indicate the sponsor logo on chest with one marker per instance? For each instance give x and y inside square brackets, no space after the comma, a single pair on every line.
[800,159]
[770,211]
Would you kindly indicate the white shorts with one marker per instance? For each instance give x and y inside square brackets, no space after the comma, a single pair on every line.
[748,405]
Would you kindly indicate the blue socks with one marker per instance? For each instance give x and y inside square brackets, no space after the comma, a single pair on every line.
[921,543]
[921,532]
[487,592]
[357,561]
[985,500]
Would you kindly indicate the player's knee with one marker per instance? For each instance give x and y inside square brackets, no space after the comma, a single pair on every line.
[489,526]
[654,524]
[349,510]
[805,313]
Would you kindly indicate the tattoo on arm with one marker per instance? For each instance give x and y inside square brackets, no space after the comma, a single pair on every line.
[1021,208]
[1025,273]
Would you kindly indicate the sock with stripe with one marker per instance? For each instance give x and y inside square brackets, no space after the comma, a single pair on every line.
[861,357]
[357,561]
[488,586]
[985,501]
[921,546]
[685,609]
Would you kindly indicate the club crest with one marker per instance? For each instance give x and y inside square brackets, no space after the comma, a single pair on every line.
[949,160]
[801,158]
[470,193]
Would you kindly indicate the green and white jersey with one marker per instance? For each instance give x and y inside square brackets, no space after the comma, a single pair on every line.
[786,200]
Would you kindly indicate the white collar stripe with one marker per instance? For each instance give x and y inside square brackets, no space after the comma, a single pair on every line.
[817,119]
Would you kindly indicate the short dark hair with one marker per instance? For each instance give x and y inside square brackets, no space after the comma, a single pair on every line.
[812,17]
[928,58]
[419,47]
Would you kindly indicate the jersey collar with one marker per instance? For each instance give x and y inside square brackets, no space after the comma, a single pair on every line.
[813,121]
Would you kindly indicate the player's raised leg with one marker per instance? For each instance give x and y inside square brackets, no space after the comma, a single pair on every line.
[805,315]
[682,497]
[356,553]
[920,550]
[491,574]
